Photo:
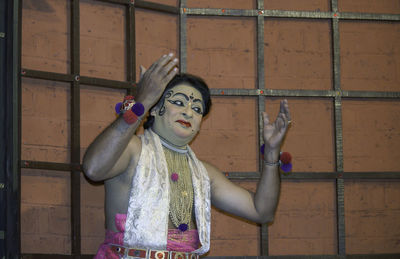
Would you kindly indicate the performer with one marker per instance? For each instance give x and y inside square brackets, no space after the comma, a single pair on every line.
[158,194]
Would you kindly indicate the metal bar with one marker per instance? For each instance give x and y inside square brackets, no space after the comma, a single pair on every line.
[47,75]
[341,234]
[264,240]
[122,2]
[182,36]
[75,130]
[317,175]
[292,14]
[370,94]
[221,12]
[369,16]
[50,166]
[236,175]
[104,83]
[131,48]
[156,7]
[271,92]
[215,91]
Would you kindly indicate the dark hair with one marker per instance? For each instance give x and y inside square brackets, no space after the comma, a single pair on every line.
[194,81]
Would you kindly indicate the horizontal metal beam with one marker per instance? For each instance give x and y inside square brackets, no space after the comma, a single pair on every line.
[156,7]
[316,175]
[47,75]
[290,14]
[105,83]
[50,166]
[237,175]
[93,81]
[302,93]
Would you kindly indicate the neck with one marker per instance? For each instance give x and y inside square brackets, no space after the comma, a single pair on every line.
[169,145]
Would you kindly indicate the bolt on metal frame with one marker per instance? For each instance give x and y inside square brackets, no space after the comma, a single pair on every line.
[336,95]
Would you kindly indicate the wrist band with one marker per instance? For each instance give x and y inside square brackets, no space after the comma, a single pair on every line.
[130,110]
[273,163]
[284,161]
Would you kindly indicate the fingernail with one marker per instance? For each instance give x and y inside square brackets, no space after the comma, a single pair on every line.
[164,56]
[171,54]
[175,69]
[175,60]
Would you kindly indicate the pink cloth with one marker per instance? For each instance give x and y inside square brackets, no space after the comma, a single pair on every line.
[179,241]
[117,238]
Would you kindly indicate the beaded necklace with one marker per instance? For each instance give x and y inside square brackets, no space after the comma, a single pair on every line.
[181,187]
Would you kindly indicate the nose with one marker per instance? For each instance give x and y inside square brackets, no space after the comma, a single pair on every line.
[188,112]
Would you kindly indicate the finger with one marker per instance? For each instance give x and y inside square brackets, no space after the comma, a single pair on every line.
[285,123]
[171,74]
[168,68]
[265,118]
[163,61]
[142,71]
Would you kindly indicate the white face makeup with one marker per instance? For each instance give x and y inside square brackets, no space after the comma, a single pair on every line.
[179,119]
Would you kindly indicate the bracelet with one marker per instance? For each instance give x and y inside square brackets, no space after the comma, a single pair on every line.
[273,163]
[130,110]
[284,161]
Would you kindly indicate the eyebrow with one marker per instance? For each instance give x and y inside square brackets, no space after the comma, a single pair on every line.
[187,98]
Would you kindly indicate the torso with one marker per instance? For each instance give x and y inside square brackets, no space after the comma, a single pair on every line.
[117,197]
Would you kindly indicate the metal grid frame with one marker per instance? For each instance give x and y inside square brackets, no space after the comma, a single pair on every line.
[336,95]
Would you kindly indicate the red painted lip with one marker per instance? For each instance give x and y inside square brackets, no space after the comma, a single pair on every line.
[184,123]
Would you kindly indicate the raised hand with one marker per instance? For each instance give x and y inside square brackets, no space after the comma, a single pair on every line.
[274,132]
[154,80]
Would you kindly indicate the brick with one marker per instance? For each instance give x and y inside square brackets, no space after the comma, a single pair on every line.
[41,187]
[102,45]
[309,5]
[227,247]
[91,244]
[34,218]
[224,4]
[297,54]
[92,194]
[305,220]
[369,56]
[59,220]
[304,246]
[45,36]
[45,244]
[311,144]
[372,213]
[370,6]
[370,137]
[45,153]
[92,222]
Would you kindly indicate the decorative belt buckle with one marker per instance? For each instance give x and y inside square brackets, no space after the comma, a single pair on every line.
[179,255]
[160,255]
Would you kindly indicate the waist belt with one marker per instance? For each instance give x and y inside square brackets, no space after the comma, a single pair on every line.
[151,254]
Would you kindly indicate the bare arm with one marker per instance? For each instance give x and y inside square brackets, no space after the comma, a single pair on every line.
[261,205]
[117,146]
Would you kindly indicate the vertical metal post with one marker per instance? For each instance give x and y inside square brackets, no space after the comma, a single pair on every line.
[131,45]
[264,246]
[182,36]
[75,133]
[10,46]
[341,235]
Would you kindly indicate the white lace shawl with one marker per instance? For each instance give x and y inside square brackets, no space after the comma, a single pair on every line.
[147,217]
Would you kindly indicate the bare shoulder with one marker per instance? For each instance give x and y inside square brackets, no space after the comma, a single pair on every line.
[213,172]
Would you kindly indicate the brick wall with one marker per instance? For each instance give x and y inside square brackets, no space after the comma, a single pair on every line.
[222,50]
